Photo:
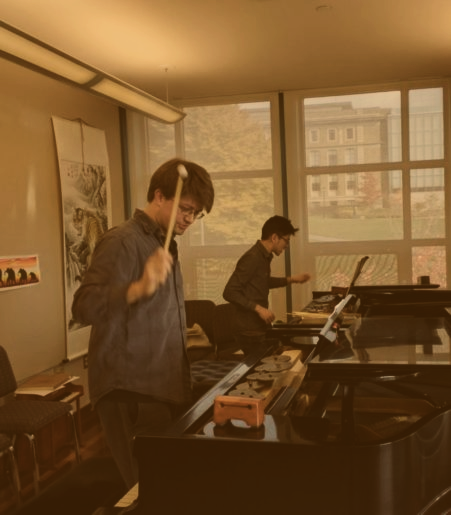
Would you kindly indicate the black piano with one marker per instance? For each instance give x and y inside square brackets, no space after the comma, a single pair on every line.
[355,421]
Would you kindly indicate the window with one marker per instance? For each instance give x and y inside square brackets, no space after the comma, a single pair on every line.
[332,158]
[349,133]
[350,156]
[351,182]
[387,206]
[234,142]
[426,123]
[333,182]
[427,202]
[374,213]
[314,136]
[315,184]
[315,158]
[367,174]
[376,116]
[427,180]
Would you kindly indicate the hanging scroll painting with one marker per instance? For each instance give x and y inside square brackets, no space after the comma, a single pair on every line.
[86,210]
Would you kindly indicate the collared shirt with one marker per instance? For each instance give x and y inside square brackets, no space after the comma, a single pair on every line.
[249,285]
[140,347]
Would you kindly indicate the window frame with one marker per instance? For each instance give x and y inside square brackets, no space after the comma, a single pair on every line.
[303,251]
[278,299]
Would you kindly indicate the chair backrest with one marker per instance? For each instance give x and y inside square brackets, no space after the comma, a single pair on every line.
[223,326]
[8,383]
[201,312]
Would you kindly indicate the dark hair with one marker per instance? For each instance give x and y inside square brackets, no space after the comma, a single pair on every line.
[198,184]
[277,225]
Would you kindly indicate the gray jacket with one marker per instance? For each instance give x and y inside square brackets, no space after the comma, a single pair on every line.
[142,347]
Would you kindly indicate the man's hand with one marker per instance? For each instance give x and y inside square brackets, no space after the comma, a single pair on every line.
[265,314]
[156,270]
[299,278]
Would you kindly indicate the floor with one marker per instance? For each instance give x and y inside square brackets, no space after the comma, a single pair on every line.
[92,445]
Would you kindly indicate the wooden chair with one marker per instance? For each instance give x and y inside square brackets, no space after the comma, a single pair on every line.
[201,312]
[225,342]
[26,417]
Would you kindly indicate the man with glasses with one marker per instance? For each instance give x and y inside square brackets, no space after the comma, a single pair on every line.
[249,285]
[132,296]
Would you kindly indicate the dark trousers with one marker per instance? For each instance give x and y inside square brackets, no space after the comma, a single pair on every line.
[123,416]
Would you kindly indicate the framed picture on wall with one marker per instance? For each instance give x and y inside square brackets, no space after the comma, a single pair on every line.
[19,271]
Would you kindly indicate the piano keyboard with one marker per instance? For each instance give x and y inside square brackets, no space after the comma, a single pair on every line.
[128,498]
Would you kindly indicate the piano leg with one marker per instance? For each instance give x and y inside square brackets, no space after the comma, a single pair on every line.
[347,413]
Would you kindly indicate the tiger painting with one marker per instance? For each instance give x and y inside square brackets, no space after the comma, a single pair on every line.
[90,228]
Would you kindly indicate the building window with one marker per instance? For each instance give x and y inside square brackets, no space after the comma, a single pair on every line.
[332,158]
[351,181]
[314,135]
[333,182]
[331,134]
[315,158]
[350,156]
[349,133]
[315,183]
[377,119]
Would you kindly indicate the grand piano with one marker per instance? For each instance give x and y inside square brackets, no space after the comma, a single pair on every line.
[342,419]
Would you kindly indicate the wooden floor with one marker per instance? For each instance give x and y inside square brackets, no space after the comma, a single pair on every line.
[92,445]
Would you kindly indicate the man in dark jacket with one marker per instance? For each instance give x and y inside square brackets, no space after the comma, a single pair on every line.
[249,285]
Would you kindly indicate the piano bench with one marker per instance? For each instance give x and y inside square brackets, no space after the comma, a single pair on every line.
[89,485]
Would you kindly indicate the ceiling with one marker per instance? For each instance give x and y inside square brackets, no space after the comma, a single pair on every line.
[179,49]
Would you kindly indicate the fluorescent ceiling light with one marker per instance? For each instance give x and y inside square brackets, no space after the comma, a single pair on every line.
[135,98]
[32,53]
[26,50]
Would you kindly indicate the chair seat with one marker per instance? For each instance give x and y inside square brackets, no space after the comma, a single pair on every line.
[29,416]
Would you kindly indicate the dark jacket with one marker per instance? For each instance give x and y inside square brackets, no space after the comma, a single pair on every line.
[138,348]
[249,285]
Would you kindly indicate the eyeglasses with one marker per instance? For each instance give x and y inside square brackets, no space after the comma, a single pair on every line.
[190,212]
[286,240]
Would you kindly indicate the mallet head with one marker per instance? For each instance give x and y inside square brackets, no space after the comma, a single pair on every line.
[182,171]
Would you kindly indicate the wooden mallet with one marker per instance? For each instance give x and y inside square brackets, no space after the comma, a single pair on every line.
[183,174]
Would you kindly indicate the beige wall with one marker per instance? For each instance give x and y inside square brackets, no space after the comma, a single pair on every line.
[32,319]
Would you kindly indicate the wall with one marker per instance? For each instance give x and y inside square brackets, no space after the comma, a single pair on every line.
[32,319]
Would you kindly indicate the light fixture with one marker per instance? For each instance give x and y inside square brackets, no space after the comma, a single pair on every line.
[21,48]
